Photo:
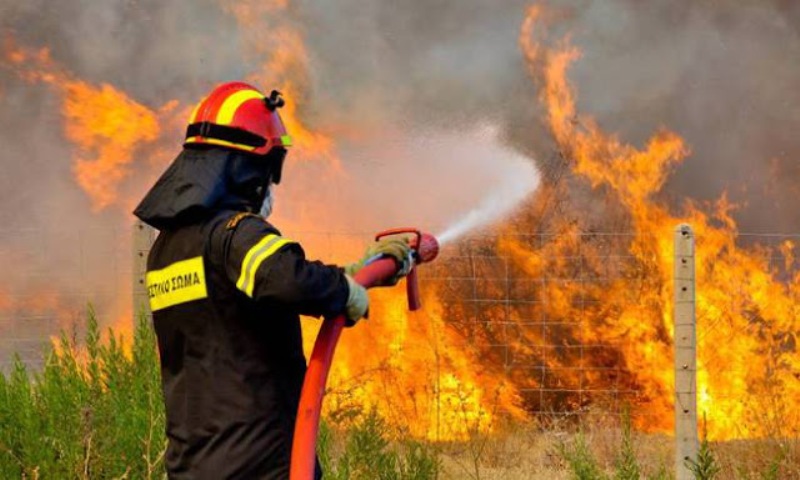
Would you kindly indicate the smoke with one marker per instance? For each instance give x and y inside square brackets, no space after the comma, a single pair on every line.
[433,62]
[57,253]
[720,74]
[431,168]
[404,88]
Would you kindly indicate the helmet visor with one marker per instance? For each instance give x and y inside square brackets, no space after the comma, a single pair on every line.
[275,159]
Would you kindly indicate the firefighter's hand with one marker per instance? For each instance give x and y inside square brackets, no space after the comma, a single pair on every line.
[357,302]
[396,247]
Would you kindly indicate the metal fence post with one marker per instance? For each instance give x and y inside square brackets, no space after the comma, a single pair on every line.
[143,236]
[686,440]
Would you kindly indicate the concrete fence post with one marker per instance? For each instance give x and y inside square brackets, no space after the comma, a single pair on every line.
[686,438]
[143,236]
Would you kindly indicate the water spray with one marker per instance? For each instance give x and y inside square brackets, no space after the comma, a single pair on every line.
[492,208]
[424,248]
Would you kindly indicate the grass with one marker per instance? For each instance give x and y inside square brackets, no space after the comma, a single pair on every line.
[94,410]
[364,451]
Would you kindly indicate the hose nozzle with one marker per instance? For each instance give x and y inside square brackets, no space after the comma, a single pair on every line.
[425,249]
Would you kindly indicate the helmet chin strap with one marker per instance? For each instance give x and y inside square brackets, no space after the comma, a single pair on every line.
[268,203]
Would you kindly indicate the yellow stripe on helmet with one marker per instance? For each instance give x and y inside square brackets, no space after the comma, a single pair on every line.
[222,143]
[231,104]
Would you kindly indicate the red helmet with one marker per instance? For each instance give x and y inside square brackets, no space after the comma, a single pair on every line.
[236,115]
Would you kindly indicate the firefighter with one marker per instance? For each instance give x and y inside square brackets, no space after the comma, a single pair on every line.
[226,290]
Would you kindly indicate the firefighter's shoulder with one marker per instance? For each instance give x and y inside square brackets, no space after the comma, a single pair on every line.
[247,223]
[250,241]
[237,218]
[247,233]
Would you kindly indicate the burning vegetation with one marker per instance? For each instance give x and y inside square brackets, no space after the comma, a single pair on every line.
[747,305]
[581,316]
[103,123]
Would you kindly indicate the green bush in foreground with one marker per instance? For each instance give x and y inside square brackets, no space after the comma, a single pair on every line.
[92,412]
[584,466]
[705,465]
[95,411]
[368,455]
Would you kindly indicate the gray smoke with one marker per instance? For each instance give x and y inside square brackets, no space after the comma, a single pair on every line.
[722,74]
[155,51]
[57,254]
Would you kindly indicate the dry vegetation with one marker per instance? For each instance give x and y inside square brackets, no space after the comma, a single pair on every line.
[95,412]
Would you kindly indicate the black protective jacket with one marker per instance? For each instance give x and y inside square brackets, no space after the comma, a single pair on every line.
[226,290]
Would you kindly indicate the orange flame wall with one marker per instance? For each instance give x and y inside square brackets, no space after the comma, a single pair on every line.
[424,371]
[748,365]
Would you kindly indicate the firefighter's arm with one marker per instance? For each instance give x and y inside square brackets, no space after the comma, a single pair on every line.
[267,266]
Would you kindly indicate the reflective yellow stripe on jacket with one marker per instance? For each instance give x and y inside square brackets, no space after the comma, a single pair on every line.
[254,258]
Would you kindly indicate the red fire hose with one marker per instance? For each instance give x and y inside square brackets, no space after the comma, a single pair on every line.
[425,248]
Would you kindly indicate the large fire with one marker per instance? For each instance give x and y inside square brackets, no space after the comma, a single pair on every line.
[104,124]
[278,49]
[748,315]
[401,364]
[438,381]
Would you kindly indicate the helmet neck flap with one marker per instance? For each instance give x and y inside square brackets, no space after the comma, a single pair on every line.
[202,181]
[235,146]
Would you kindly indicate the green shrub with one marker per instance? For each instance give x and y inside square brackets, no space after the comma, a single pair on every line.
[626,463]
[92,412]
[369,454]
[704,466]
[580,459]
[95,411]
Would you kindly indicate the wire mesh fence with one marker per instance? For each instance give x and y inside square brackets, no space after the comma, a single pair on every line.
[537,304]
[51,278]
[582,323]
[575,323]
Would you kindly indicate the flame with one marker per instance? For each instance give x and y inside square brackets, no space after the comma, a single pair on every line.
[44,308]
[429,372]
[417,373]
[747,316]
[104,124]
[278,47]
[394,375]
[107,126]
